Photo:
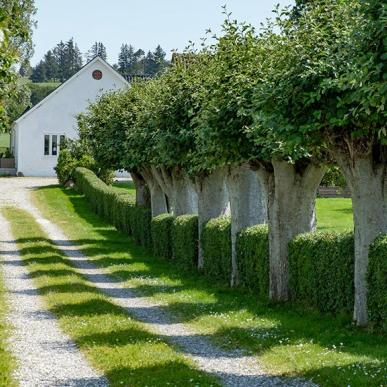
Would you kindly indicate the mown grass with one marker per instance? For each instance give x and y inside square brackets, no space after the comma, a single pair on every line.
[334,214]
[114,343]
[125,185]
[289,340]
[7,362]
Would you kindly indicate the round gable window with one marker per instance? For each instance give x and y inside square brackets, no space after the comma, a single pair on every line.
[97,74]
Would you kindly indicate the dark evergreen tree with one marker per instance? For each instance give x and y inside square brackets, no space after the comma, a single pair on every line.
[97,49]
[126,59]
[51,66]
[60,57]
[39,72]
[73,59]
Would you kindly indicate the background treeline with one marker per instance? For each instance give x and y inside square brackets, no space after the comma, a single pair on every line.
[65,59]
[246,129]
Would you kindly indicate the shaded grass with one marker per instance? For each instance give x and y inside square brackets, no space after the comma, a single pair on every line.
[114,342]
[7,362]
[288,339]
[334,214]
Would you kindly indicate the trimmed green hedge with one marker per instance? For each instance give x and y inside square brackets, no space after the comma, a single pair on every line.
[321,264]
[117,207]
[377,282]
[321,269]
[253,259]
[161,235]
[184,236]
[216,242]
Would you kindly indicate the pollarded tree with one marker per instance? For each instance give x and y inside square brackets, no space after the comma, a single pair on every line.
[329,85]
[103,127]
[222,116]
[233,130]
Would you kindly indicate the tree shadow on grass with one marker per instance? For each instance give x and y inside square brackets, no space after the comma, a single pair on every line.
[294,322]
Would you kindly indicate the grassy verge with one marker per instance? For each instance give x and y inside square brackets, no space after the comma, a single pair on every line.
[6,360]
[114,343]
[334,214]
[289,340]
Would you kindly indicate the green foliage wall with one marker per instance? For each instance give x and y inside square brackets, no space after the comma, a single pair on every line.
[161,235]
[118,208]
[321,270]
[253,259]
[216,240]
[184,236]
[377,282]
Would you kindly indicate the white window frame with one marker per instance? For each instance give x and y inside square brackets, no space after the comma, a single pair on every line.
[50,135]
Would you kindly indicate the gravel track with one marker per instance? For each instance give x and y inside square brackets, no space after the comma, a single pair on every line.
[46,356]
[233,368]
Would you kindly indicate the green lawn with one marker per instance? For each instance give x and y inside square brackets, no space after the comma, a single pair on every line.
[289,340]
[6,360]
[334,214]
[114,343]
[126,186]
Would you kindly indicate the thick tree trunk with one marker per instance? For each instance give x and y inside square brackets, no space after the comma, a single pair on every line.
[291,193]
[143,198]
[178,188]
[158,199]
[213,201]
[248,205]
[184,196]
[367,180]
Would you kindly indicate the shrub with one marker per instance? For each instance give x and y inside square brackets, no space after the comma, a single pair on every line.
[116,207]
[184,236]
[321,268]
[161,235]
[253,259]
[74,154]
[377,282]
[216,244]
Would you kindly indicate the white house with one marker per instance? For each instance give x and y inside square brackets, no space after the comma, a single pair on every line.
[37,134]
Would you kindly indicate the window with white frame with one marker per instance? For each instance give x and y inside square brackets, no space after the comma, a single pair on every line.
[51,146]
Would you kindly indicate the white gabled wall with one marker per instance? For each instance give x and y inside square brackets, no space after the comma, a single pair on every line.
[57,115]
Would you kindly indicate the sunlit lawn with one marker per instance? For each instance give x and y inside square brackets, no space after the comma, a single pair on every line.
[334,214]
[289,340]
[116,344]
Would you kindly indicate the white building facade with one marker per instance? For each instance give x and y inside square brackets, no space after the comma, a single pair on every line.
[38,133]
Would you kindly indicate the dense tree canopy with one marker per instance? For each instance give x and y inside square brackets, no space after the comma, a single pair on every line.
[15,47]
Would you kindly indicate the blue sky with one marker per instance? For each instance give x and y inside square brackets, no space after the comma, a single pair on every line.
[144,24]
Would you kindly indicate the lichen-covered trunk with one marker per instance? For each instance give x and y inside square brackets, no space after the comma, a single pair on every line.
[291,193]
[367,181]
[158,199]
[213,201]
[248,205]
[184,196]
[143,198]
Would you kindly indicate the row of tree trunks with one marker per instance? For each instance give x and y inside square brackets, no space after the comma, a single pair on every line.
[158,200]
[284,195]
[178,188]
